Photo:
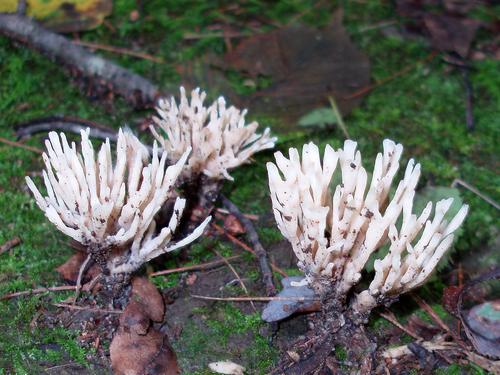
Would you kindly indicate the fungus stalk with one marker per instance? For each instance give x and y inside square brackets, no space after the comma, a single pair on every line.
[110,209]
[219,137]
[335,230]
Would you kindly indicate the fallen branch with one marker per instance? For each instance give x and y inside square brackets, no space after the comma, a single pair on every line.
[248,299]
[65,124]
[38,291]
[82,308]
[253,237]
[20,145]
[10,244]
[137,90]
[197,267]
[244,246]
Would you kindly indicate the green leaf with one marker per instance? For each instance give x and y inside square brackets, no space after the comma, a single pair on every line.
[319,117]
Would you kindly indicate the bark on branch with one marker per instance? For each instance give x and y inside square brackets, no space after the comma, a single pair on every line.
[137,90]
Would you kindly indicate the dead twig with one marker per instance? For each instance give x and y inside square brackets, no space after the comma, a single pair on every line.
[119,50]
[244,246]
[435,317]
[38,291]
[66,124]
[9,244]
[136,89]
[20,145]
[248,299]
[226,212]
[79,278]
[253,237]
[196,267]
[367,89]
[391,318]
[233,270]
[83,308]
[474,190]
[338,116]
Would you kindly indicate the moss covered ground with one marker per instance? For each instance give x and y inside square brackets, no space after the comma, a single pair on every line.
[424,110]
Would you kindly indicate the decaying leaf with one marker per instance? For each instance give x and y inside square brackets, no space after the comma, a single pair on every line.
[305,65]
[280,309]
[64,15]
[233,225]
[445,23]
[484,323]
[450,33]
[70,269]
[226,367]
[145,293]
[133,354]
[138,348]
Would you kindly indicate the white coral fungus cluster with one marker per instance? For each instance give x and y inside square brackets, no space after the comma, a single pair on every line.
[334,235]
[219,138]
[108,208]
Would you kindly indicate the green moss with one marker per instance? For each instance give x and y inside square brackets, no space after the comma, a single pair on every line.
[224,333]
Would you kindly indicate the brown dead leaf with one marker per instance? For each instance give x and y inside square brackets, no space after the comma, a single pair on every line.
[146,294]
[69,270]
[451,33]
[133,354]
[233,225]
[134,318]
[306,65]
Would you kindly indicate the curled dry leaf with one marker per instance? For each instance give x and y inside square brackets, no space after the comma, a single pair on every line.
[226,367]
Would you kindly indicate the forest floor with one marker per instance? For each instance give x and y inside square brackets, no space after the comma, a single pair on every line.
[423,108]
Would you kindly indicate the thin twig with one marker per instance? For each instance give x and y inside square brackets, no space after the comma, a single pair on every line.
[197,36]
[233,270]
[20,145]
[435,317]
[244,246]
[253,237]
[79,278]
[367,89]
[83,308]
[425,306]
[471,188]
[338,116]
[38,291]
[10,244]
[248,299]
[119,50]
[196,267]
[389,316]
[226,212]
